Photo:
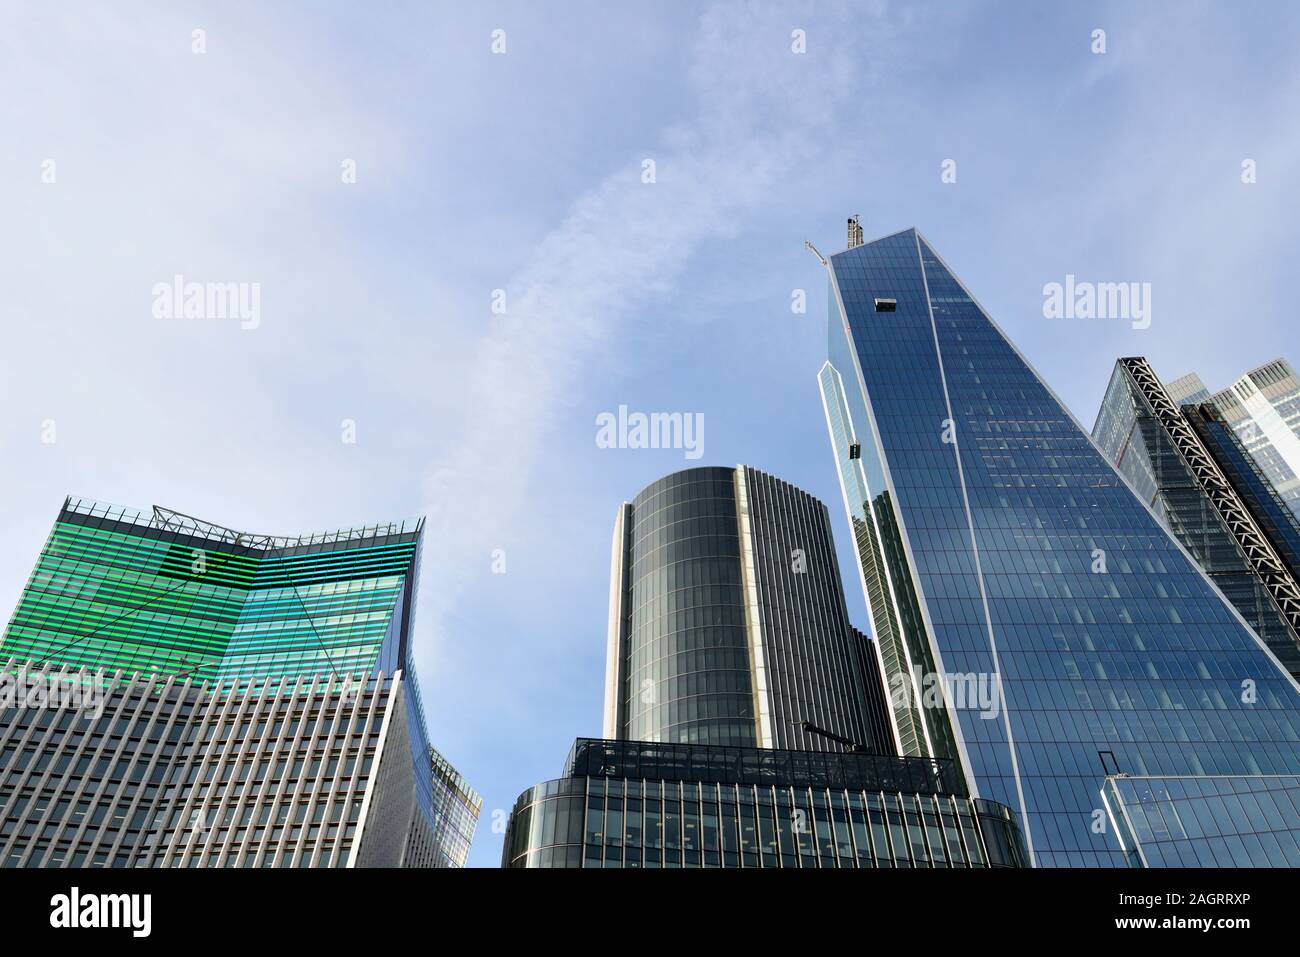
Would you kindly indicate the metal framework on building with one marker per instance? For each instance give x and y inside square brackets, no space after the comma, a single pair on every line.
[1259,552]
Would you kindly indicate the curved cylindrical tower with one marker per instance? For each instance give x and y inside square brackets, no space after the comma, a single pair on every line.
[727,620]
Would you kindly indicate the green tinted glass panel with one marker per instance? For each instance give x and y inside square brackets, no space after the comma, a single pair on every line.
[135,598]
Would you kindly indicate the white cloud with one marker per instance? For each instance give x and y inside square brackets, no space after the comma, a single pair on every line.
[761,112]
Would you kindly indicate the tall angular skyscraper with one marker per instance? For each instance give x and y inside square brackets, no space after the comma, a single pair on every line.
[728,624]
[1198,479]
[999,548]
[177,693]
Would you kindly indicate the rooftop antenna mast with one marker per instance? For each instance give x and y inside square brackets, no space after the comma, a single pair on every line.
[855,231]
[856,238]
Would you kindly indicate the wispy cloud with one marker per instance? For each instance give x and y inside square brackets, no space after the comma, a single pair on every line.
[760,111]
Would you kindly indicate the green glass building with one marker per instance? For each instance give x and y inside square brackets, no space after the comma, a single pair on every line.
[116,589]
[255,693]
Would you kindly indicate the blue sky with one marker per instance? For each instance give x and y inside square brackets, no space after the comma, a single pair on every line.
[522,171]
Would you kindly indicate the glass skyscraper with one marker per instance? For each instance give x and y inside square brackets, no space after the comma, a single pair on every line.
[182,694]
[1065,632]
[1210,495]
[728,624]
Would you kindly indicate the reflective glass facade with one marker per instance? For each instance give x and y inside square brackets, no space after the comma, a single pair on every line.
[456,808]
[596,757]
[895,608]
[728,624]
[633,804]
[118,594]
[1188,388]
[1035,568]
[121,589]
[686,652]
[1260,497]
[1263,409]
[1206,821]
[1132,436]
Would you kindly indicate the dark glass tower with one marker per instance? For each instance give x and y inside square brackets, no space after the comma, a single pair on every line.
[745,718]
[195,696]
[1007,553]
[728,624]
[1208,493]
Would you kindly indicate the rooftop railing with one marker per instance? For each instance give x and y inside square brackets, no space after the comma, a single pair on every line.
[717,764]
[166,519]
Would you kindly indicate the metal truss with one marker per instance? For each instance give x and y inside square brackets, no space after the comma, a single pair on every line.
[1263,558]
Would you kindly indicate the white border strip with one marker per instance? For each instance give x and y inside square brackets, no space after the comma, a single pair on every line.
[753,614]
